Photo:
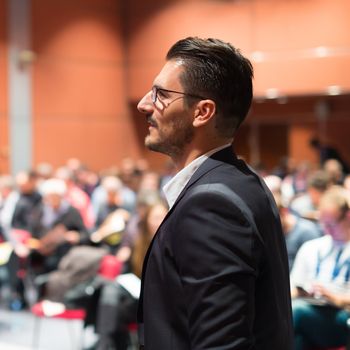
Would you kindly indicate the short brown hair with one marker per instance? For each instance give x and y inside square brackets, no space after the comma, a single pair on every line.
[217,70]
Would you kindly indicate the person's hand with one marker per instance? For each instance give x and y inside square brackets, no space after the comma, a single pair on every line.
[299,291]
[21,250]
[123,254]
[313,215]
[96,236]
[72,237]
[123,213]
[340,300]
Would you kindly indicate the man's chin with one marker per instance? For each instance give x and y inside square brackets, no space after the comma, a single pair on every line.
[151,145]
[154,146]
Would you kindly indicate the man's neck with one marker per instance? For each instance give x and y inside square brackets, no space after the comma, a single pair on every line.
[190,154]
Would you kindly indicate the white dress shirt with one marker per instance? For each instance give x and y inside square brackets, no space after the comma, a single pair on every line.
[175,186]
[323,261]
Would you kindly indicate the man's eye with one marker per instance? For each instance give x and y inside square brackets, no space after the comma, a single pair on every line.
[161,94]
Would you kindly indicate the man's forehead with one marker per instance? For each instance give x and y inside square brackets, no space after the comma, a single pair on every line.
[169,76]
[329,210]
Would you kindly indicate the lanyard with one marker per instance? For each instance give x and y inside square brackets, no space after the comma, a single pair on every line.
[337,266]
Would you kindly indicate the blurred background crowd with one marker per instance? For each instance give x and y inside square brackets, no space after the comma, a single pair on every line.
[48,214]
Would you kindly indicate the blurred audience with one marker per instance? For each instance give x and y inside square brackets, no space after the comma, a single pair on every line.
[44,171]
[8,200]
[145,199]
[28,200]
[46,212]
[334,169]
[78,198]
[295,182]
[320,278]
[347,183]
[20,221]
[117,304]
[327,151]
[111,198]
[57,226]
[296,230]
[306,204]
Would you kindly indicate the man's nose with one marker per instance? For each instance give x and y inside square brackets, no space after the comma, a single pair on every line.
[145,105]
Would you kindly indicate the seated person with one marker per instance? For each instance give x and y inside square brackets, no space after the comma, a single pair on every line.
[111,231]
[112,187]
[296,229]
[320,278]
[55,227]
[306,205]
[17,221]
[118,299]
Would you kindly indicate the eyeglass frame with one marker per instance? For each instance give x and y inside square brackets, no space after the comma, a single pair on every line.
[155,89]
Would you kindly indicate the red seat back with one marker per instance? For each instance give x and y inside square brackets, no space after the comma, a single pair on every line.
[68,314]
[110,267]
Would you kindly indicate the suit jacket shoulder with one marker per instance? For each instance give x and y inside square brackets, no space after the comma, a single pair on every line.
[216,275]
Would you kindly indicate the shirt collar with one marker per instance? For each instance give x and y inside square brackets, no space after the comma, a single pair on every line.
[175,186]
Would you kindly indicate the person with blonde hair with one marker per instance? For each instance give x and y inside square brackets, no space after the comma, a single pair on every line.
[320,278]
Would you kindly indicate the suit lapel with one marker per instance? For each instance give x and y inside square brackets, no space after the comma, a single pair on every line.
[224,156]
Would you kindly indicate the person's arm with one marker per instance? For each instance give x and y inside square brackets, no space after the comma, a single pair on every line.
[6,216]
[217,261]
[303,270]
[77,232]
[339,299]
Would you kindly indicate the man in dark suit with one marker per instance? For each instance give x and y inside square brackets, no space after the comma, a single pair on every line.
[216,273]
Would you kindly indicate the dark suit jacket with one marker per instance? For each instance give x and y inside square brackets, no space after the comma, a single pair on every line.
[216,273]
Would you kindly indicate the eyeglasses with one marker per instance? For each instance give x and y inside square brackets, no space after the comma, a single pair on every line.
[331,224]
[158,96]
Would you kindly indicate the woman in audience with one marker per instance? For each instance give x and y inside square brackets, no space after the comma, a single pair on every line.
[117,304]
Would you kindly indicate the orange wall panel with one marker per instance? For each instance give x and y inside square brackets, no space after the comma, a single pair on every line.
[336,135]
[294,24]
[80,106]
[101,150]
[286,33]
[273,144]
[4,139]
[97,58]
[299,77]
[68,89]
[151,36]
[299,137]
[86,31]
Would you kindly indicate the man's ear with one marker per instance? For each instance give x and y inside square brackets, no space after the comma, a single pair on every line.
[204,112]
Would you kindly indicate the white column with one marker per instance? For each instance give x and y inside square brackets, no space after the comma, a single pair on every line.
[20,84]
